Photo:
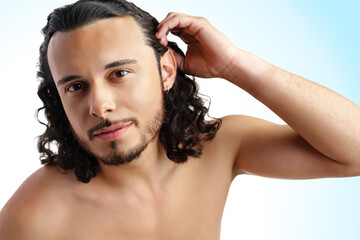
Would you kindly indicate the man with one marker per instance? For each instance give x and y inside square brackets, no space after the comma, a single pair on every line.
[123,99]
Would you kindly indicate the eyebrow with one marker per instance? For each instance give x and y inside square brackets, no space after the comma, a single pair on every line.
[67,79]
[107,66]
[120,63]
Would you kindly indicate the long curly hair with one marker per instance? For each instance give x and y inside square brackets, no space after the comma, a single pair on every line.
[184,127]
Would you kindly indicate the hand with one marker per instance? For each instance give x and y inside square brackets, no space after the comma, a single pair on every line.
[209,53]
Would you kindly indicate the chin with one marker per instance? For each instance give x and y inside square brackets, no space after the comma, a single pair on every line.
[120,157]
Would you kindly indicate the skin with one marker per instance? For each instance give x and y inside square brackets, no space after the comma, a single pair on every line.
[152,197]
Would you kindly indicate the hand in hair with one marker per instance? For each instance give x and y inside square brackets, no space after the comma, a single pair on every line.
[209,54]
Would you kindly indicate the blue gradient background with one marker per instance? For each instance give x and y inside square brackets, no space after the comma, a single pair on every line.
[318,40]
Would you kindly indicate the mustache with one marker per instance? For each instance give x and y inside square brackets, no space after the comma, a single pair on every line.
[107,123]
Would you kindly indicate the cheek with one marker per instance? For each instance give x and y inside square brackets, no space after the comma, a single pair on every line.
[146,97]
[75,114]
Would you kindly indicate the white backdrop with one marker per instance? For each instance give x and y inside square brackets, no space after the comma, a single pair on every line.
[318,41]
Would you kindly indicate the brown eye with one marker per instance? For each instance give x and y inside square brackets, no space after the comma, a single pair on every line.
[119,74]
[75,87]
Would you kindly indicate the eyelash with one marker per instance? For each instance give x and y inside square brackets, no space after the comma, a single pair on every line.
[73,84]
[117,71]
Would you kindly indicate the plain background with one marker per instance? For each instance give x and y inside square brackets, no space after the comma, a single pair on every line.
[317,40]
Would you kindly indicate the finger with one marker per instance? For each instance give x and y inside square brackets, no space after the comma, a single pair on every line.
[164,27]
[174,21]
[169,15]
[176,31]
[162,31]
[163,41]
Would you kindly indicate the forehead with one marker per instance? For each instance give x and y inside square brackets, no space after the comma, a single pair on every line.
[102,40]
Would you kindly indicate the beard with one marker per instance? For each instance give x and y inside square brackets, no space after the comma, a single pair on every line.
[120,157]
[148,134]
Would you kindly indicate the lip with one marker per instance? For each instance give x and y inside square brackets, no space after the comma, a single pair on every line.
[112,132]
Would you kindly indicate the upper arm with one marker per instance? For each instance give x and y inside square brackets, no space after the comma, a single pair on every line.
[271,150]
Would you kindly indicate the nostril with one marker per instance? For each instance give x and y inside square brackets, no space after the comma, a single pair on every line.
[101,112]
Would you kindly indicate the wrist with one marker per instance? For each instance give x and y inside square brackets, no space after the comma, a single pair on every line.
[246,70]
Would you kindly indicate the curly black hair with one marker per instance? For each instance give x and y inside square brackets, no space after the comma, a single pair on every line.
[184,126]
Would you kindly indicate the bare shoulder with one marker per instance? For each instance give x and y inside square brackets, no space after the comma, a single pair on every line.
[242,122]
[223,144]
[37,208]
[235,129]
[234,132]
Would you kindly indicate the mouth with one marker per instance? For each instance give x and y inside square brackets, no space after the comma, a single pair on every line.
[112,132]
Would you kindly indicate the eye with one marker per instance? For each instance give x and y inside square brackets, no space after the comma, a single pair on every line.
[118,74]
[74,87]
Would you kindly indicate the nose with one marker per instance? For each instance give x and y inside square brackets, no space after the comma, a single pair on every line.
[101,101]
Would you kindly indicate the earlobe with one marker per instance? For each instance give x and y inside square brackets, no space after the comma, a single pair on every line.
[168,70]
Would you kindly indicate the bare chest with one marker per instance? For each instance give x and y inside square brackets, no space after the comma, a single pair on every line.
[190,207]
[172,221]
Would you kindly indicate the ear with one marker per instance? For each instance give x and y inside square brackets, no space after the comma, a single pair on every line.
[168,70]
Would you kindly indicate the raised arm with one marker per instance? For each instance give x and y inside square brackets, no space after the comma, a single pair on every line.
[323,136]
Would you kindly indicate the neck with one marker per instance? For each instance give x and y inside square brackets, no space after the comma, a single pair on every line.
[149,171]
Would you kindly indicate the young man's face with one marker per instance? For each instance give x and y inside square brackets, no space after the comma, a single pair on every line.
[105,71]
